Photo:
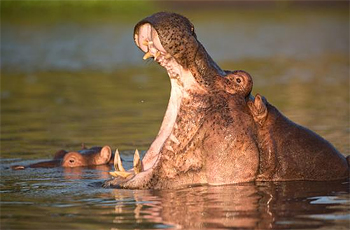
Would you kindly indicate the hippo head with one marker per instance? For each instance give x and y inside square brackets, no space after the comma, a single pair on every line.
[204,101]
[170,39]
[84,157]
[87,157]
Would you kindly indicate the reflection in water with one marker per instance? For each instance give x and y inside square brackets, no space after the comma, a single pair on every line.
[77,173]
[263,206]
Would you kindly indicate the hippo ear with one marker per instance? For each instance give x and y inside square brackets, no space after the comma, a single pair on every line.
[104,156]
[60,154]
[258,109]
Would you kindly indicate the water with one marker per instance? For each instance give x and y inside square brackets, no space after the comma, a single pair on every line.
[73,82]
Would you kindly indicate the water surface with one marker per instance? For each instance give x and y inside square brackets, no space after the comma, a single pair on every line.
[73,82]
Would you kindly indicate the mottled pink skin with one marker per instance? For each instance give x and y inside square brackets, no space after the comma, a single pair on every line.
[211,137]
[84,157]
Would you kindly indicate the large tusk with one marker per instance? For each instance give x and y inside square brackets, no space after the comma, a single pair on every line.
[118,166]
[120,174]
[137,162]
[147,55]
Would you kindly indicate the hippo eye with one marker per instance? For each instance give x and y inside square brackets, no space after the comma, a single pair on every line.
[238,80]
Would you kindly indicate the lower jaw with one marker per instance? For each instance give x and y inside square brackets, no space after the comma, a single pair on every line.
[153,154]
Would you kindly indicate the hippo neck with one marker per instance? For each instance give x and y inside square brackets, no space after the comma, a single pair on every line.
[204,68]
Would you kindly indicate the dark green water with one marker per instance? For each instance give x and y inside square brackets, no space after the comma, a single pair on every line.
[77,80]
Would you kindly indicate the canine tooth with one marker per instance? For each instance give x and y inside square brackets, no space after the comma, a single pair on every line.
[147,55]
[118,166]
[120,174]
[137,162]
[174,139]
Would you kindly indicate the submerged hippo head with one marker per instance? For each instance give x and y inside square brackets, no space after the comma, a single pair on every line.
[88,157]
[81,158]
[207,134]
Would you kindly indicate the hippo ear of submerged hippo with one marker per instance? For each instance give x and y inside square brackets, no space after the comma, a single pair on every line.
[104,156]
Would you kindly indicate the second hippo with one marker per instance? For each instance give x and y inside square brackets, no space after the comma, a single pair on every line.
[289,151]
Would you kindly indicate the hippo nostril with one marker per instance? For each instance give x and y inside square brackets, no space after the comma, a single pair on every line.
[71,161]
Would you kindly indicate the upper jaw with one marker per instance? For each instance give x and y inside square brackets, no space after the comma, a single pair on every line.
[147,39]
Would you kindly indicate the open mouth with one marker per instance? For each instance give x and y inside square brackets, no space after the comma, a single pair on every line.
[147,39]
[182,82]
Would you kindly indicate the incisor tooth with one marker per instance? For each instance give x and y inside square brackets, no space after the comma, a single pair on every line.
[156,55]
[147,55]
[174,139]
[137,162]
[168,147]
[118,166]
[137,39]
[147,43]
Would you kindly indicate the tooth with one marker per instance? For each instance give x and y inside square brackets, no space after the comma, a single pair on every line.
[168,147]
[147,55]
[137,39]
[137,162]
[120,174]
[174,139]
[118,166]
[147,43]
[156,55]
[167,56]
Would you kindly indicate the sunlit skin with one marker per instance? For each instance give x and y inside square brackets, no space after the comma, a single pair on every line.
[209,133]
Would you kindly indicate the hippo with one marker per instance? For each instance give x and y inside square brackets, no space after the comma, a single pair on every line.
[83,157]
[209,134]
[289,151]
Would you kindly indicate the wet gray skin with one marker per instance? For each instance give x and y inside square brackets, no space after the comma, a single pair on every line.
[291,152]
[208,134]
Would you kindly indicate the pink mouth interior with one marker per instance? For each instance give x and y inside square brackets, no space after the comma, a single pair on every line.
[147,39]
